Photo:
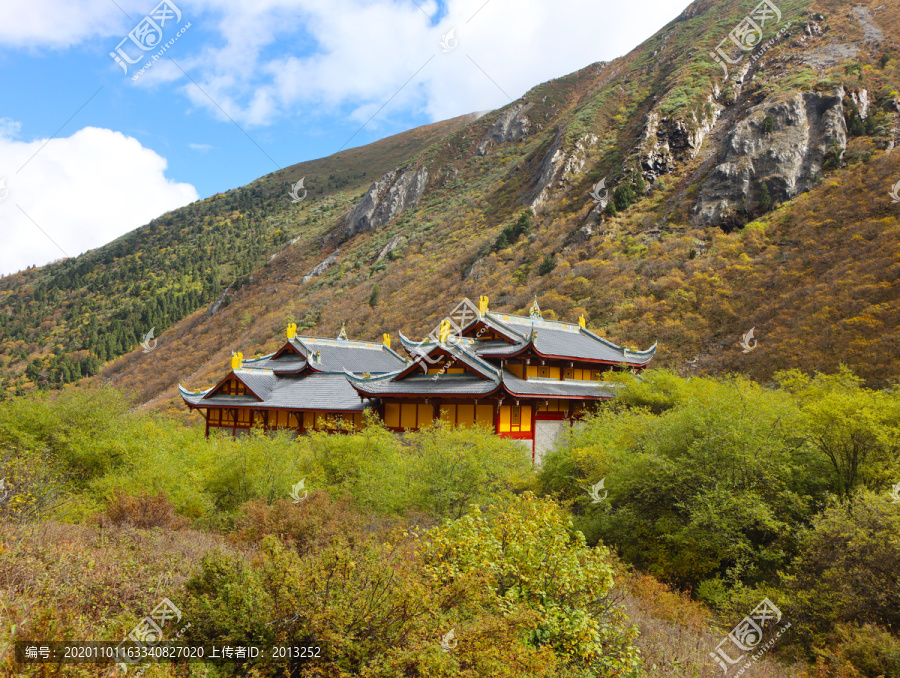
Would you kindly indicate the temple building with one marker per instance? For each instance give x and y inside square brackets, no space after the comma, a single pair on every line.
[522,377]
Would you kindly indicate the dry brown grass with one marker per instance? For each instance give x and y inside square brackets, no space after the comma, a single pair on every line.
[80,582]
[678,634]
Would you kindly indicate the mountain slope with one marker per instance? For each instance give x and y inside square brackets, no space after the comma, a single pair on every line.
[760,200]
[62,321]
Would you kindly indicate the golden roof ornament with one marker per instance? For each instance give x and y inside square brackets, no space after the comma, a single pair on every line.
[483,305]
[343,335]
[236,360]
[387,340]
[292,330]
[582,322]
[445,331]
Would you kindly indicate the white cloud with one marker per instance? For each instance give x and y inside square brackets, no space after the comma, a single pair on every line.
[83,191]
[63,23]
[359,53]
[273,59]
[202,148]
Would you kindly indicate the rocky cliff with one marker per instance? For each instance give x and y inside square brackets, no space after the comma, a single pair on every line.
[390,196]
[777,151]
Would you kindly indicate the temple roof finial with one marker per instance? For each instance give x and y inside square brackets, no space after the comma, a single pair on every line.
[343,335]
[535,313]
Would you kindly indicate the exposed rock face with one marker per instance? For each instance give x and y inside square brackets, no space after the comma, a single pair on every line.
[557,167]
[871,31]
[512,125]
[549,169]
[321,268]
[861,99]
[390,196]
[218,303]
[788,158]
[667,142]
[395,242]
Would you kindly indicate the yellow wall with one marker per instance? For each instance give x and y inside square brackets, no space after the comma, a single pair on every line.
[392,415]
[584,375]
[506,425]
[465,416]
[532,371]
[426,415]
[516,370]
[504,418]
[484,415]
[554,406]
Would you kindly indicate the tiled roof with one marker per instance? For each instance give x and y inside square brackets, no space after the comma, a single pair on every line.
[283,364]
[462,350]
[259,382]
[556,389]
[330,392]
[443,384]
[357,356]
[570,341]
[499,348]
[493,321]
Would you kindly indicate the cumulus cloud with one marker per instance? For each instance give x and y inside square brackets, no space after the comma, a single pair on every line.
[63,23]
[360,53]
[81,191]
[274,59]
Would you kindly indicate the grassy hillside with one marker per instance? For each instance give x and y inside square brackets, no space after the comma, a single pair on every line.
[816,275]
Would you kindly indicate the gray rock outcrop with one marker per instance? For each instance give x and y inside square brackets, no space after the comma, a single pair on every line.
[512,125]
[396,192]
[321,268]
[557,167]
[669,141]
[787,154]
[394,244]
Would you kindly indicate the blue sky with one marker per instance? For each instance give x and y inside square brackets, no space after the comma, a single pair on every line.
[88,152]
